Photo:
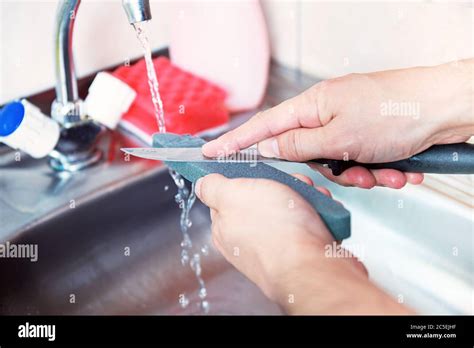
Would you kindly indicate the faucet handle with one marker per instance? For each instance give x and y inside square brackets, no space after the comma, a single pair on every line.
[137,10]
[23,126]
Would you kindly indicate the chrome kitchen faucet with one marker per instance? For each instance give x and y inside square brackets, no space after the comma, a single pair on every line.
[76,148]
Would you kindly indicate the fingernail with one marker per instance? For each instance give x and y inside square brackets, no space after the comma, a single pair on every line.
[197,187]
[269,148]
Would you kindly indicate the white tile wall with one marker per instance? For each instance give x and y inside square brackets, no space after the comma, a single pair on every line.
[357,36]
[323,38]
[333,38]
[102,38]
[283,21]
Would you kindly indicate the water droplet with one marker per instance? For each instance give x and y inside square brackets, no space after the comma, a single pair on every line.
[184,257]
[205,306]
[202,293]
[186,243]
[166,187]
[205,249]
[196,260]
[196,264]
[183,301]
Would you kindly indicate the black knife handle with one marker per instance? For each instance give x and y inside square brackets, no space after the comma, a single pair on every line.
[440,159]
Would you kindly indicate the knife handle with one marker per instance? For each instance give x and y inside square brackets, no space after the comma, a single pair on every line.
[439,159]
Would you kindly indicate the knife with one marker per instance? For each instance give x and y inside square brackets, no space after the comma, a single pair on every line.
[440,159]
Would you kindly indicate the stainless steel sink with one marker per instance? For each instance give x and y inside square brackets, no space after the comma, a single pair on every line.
[417,242]
[83,223]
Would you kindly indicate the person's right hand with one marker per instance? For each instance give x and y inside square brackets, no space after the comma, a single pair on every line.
[355,117]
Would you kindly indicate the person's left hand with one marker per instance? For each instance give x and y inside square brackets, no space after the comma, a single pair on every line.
[275,238]
[264,228]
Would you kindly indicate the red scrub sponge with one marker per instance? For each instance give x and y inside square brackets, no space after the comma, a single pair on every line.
[191,104]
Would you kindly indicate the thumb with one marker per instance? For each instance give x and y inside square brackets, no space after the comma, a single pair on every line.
[306,144]
[211,189]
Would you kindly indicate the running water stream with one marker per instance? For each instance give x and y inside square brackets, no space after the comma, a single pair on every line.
[152,80]
[184,198]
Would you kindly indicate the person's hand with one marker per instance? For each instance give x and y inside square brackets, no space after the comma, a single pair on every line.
[275,238]
[377,117]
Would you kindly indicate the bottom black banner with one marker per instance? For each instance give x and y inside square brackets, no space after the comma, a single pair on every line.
[133,330]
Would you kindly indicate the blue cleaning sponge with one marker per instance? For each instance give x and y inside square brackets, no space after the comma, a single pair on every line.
[334,215]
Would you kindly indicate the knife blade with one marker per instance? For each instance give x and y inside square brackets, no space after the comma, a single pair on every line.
[194,154]
[439,159]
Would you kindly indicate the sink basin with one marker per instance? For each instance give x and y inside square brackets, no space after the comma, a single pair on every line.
[120,254]
[85,223]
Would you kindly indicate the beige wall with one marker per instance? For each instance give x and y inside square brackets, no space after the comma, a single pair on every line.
[323,38]
[332,38]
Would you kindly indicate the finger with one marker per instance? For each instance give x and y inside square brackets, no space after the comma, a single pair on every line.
[360,177]
[307,180]
[415,178]
[390,178]
[360,266]
[214,237]
[297,112]
[355,176]
[210,189]
[304,144]
[324,191]
[303,178]
[213,214]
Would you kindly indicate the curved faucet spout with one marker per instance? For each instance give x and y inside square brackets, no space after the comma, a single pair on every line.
[68,109]
[66,85]
[137,10]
